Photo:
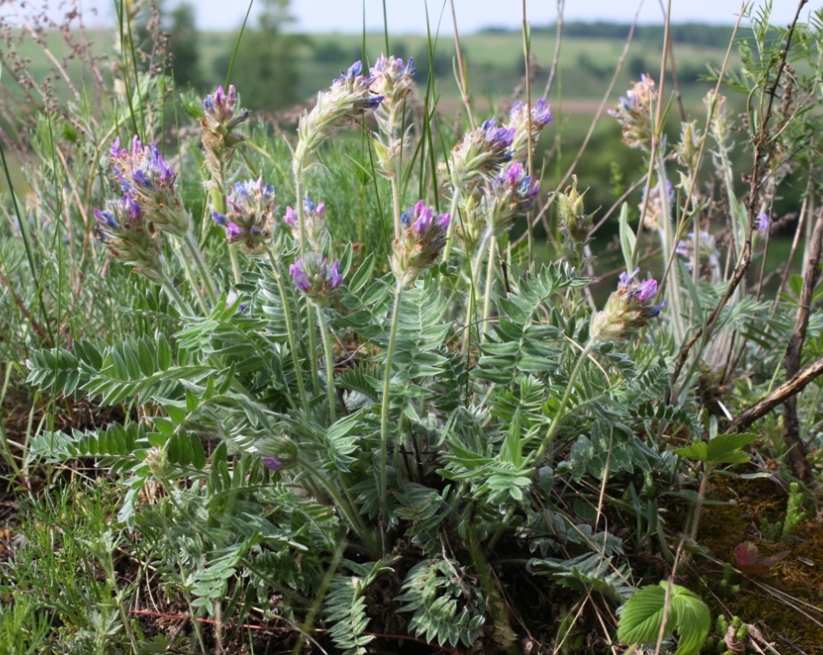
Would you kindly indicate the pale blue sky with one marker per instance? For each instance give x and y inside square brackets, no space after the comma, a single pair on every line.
[410,15]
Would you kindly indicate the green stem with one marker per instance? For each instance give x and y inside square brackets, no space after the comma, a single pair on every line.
[218,201]
[198,292]
[325,335]
[298,164]
[667,241]
[197,258]
[478,260]
[168,286]
[284,299]
[558,417]
[487,296]
[384,407]
[395,196]
[315,379]
[348,507]
[453,213]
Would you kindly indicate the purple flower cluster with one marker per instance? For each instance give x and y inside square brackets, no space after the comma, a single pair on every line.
[149,181]
[392,79]
[219,136]
[485,149]
[348,98]
[313,276]
[528,125]
[250,216]
[511,196]
[420,243]
[634,112]
[219,108]
[314,221]
[129,236]
[628,309]
[481,153]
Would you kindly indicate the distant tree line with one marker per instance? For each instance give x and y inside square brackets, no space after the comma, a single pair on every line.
[686,33]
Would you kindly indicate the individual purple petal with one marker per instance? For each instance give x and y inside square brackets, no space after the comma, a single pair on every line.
[625,278]
[290,217]
[763,222]
[646,290]
[335,279]
[132,206]
[220,219]
[273,463]
[301,280]
[233,231]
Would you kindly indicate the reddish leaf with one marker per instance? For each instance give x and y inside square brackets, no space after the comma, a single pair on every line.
[746,554]
[749,562]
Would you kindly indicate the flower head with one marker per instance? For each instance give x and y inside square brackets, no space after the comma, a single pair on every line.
[510,196]
[528,125]
[219,134]
[628,309]
[392,80]
[420,243]
[575,223]
[313,276]
[314,221]
[250,216]
[129,236]
[145,176]
[481,153]
[634,112]
[348,98]
[273,463]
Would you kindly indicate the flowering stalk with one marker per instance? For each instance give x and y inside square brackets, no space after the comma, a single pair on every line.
[628,309]
[668,243]
[384,405]
[488,236]
[150,182]
[284,299]
[418,247]
[392,80]
[315,278]
[325,335]
[220,139]
[348,98]
[487,296]
[477,157]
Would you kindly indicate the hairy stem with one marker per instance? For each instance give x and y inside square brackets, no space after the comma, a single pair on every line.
[559,415]
[284,299]
[384,407]
[325,335]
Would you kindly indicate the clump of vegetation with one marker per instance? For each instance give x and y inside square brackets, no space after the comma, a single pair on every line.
[327,390]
